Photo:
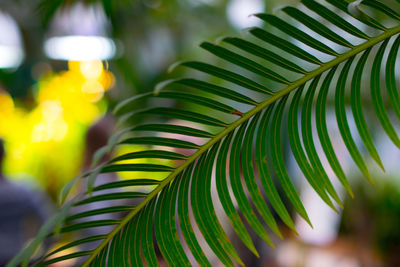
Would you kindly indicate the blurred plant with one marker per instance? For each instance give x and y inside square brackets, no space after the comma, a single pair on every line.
[241,133]
[373,218]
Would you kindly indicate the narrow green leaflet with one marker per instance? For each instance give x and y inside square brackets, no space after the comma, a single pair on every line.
[113,255]
[77,243]
[205,220]
[175,129]
[135,243]
[334,18]
[217,90]
[264,54]
[376,96]
[237,188]
[126,183]
[308,140]
[111,196]
[356,106]
[382,7]
[165,229]
[91,178]
[243,62]
[150,154]
[344,128]
[322,129]
[140,167]
[101,258]
[125,105]
[264,172]
[228,76]
[161,223]
[296,33]
[199,100]
[183,115]
[123,247]
[391,77]
[67,188]
[354,11]
[284,45]
[224,196]
[98,212]
[146,234]
[298,152]
[85,225]
[249,177]
[160,141]
[316,26]
[63,258]
[277,160]
[209,212]
[184,219]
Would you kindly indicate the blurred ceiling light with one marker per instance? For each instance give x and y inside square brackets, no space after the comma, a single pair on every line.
[79,33]
[80,48]
[239,11]
[11,51]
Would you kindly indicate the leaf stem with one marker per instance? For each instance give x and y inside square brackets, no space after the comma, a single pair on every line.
[324,67]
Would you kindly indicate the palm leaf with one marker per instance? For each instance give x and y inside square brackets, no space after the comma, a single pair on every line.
[238,122]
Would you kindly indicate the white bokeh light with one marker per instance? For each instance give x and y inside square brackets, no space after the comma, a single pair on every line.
[239,11]
[79,48]
[11,50]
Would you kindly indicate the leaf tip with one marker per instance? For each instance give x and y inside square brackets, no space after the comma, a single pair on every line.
[353,8]
[120,107]
[341,206]
[161,85]
[368,176]
[308,222]
[221,39]
[173,66]
[255,252]
[244,31]
[295,231]
[380,164]
[272,245]
[278,8]
[278,233]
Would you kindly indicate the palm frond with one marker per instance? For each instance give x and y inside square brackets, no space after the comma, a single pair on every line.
[239,136]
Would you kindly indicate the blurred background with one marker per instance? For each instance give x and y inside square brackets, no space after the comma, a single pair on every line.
[65,64]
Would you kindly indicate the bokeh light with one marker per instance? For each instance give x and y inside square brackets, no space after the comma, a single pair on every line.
[45,143]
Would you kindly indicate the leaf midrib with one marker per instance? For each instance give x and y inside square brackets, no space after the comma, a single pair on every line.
[324,67]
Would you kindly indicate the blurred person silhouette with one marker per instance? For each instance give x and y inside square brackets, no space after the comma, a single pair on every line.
[97,137]
[22,212]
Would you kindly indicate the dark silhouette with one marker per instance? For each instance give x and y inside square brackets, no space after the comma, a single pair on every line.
[96,137]
[22,212]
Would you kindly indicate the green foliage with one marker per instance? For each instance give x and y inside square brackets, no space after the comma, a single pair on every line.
[241,135]
[373,217]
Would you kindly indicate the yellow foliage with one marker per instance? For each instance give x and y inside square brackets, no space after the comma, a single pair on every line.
[47,142]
